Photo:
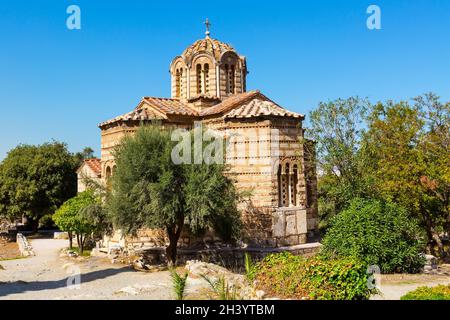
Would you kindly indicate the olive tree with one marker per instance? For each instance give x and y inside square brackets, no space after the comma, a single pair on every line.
[150,190]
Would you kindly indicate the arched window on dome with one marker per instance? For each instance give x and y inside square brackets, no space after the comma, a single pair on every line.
[181,83]
[178,83]
[232,79]
[230,71]
[206,78]
[227,72]
[227,67]
[199,78]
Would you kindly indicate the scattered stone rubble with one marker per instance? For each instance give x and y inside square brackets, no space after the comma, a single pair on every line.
[237,282]
[433,267]
[68,253]
[431,263]
[61,235]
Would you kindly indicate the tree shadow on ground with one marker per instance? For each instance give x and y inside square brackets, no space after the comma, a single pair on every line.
[17,287]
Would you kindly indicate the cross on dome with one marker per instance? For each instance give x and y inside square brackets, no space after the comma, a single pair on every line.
[207,24]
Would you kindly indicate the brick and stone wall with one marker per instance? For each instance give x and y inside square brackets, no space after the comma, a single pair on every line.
[254,166]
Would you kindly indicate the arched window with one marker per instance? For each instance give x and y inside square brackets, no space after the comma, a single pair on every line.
[108,173]
[181,83]
[294,181]
[199,78]
[230,71]
[206,78]
[232,79]
[280,187]
[287,185]
[178,83]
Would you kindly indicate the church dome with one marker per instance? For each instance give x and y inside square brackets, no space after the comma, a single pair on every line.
[207,45]
[208,69]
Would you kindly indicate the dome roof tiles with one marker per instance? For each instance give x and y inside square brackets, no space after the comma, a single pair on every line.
[207,45]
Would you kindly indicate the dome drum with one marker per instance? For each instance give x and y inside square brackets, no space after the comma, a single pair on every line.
[208,68]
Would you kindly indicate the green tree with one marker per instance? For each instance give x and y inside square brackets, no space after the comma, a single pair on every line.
[434,149]
[83,216]
[337,128]
[36,180]
[150,190]
[377,233]
[392,145]
[408,150]
[86,153]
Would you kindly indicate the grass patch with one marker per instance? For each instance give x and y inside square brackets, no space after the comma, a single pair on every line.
[440,292]
[86,252]
[13,258]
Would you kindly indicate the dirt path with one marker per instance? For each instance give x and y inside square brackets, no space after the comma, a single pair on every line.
[45,276]
[393,287]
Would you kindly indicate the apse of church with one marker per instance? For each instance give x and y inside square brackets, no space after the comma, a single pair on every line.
[208,85]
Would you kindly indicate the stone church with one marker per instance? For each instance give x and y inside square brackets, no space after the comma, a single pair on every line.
[266,150]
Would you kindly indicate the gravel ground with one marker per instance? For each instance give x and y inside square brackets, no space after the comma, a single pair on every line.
[393,287]
[46,275]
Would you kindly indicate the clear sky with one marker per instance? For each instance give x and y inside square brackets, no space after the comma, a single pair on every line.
[59,84]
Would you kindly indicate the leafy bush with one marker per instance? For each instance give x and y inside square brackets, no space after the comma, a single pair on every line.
[81,215]
[376,233]
[426,293]
[295,277]
[46,221]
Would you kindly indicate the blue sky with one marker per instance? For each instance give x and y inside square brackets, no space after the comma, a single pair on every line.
[59,84]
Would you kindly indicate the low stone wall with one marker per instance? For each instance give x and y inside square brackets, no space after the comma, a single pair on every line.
[24,246]
[61,235]
[228,257]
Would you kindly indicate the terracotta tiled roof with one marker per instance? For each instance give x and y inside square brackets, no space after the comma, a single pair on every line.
[95,165]
[210,45]
[249,104]
[244,105]
[230,103]
[154,108]
[258,107]
[135,115]
[170,106]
